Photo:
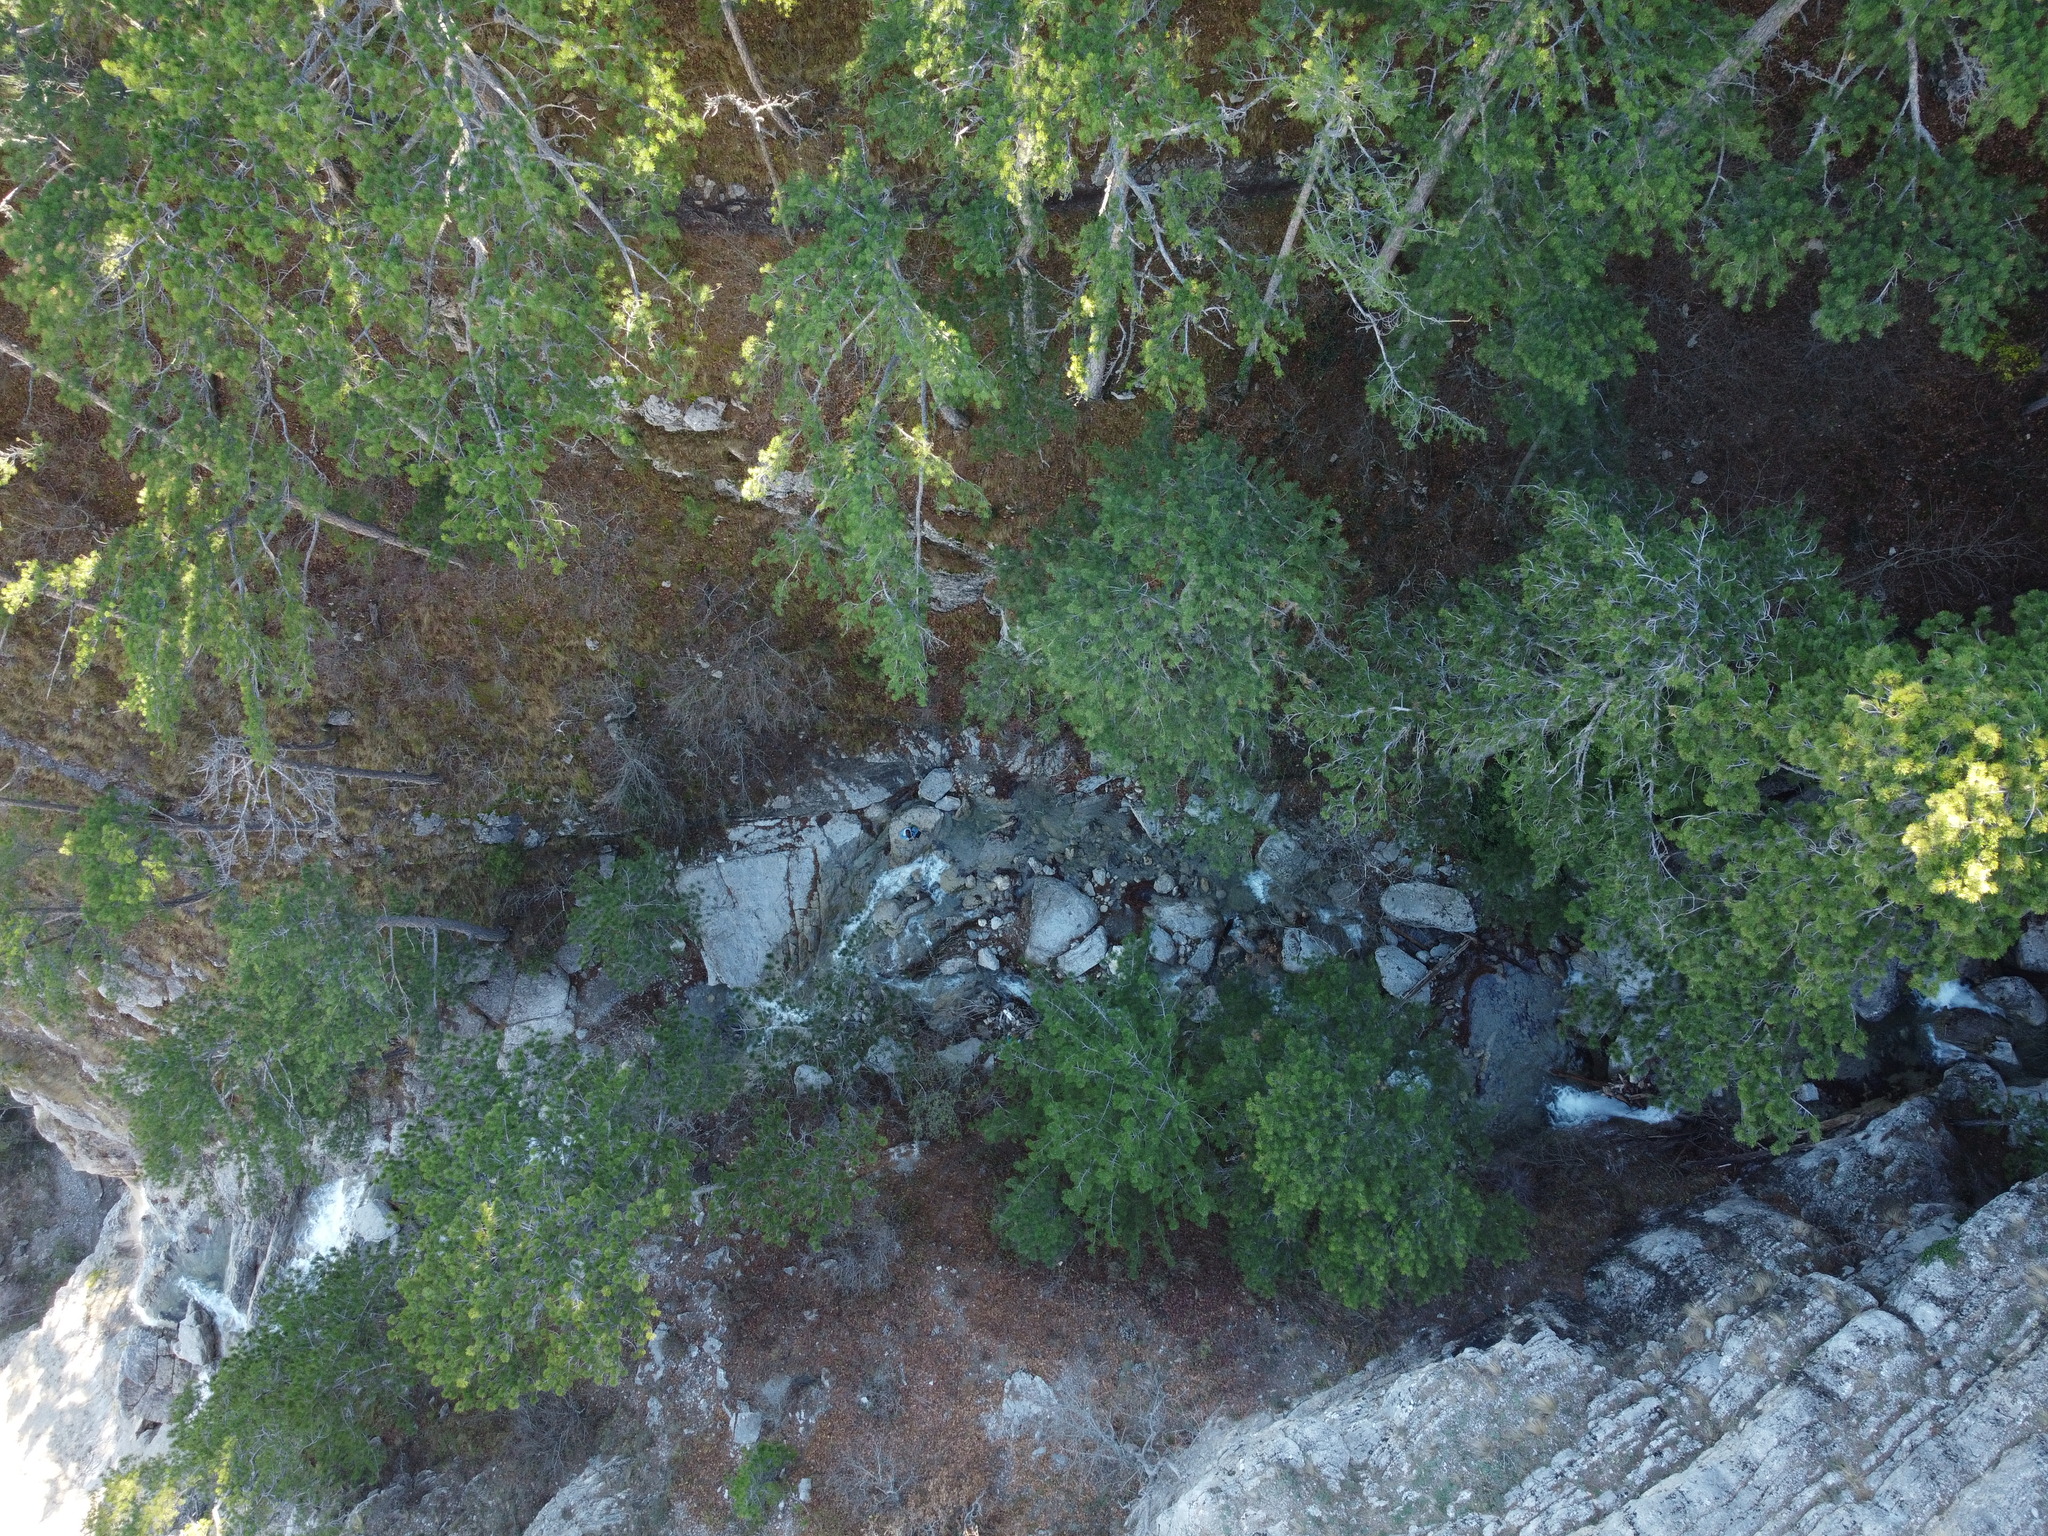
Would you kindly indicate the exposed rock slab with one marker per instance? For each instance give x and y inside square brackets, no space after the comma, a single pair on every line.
[1718,1381]
[63,1424]
[753,901]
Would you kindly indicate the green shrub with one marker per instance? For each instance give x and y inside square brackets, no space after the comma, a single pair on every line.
[1163,624]
[1358,1123]
[1332,1130]
[123,864]
[756,1484]
[270,1058]
[631,923]
[69,898]
[692,1070]
[785,1182]
[301,1413]
[525,1194]
[1117,1141]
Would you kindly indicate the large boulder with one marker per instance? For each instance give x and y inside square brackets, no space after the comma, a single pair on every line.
[613,1496]
[1740,1368]
[2031,953]
[1061,917]
[1420,904]
[1511,1017]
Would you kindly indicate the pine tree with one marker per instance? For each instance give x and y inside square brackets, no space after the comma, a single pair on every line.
[277,246]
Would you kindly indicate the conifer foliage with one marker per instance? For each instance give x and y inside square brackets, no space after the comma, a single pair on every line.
[281,246]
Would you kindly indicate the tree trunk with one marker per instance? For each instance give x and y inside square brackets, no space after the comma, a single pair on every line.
[1311,168]
[1447,144]
[475,931]
[1747,47]
[1116,208]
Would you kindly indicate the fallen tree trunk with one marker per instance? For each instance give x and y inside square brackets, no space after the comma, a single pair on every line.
[475,931]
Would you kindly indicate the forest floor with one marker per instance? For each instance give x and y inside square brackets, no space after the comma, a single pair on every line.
[885,1356]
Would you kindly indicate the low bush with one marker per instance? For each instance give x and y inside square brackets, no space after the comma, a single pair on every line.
[757,1483]
[631,921]
[787,1182]
[525,1193]
[1356,1121]
[1333,1131]
[272,1058]
[1117,1149]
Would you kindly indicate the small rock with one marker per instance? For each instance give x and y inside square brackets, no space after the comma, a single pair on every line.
[1699,477]
[1164,884]
[1161,946]
[341,718]
[935,786]
[886,1057]
[1877,996]
[1423,905]
[746,1426]
[701,415]
[1060,916]
[987,959]
[1202,956]
[810,1079]
[1027,1399]
[2017,998]
[963,1055]
[1084,956]
[1192,920]
[1284,859]
[500,831]
[2031,953]
[428,826]
[1300,950]
[1400,972]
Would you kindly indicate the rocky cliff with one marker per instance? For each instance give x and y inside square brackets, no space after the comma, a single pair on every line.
[1829,1350]
[1835,1345]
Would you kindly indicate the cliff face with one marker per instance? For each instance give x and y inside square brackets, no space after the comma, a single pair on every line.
[169,1282]
[1829,1351]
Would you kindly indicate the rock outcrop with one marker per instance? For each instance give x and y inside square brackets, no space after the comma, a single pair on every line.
[1829,1351]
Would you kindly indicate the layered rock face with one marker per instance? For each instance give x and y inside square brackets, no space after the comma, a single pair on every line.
[1827,1352]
